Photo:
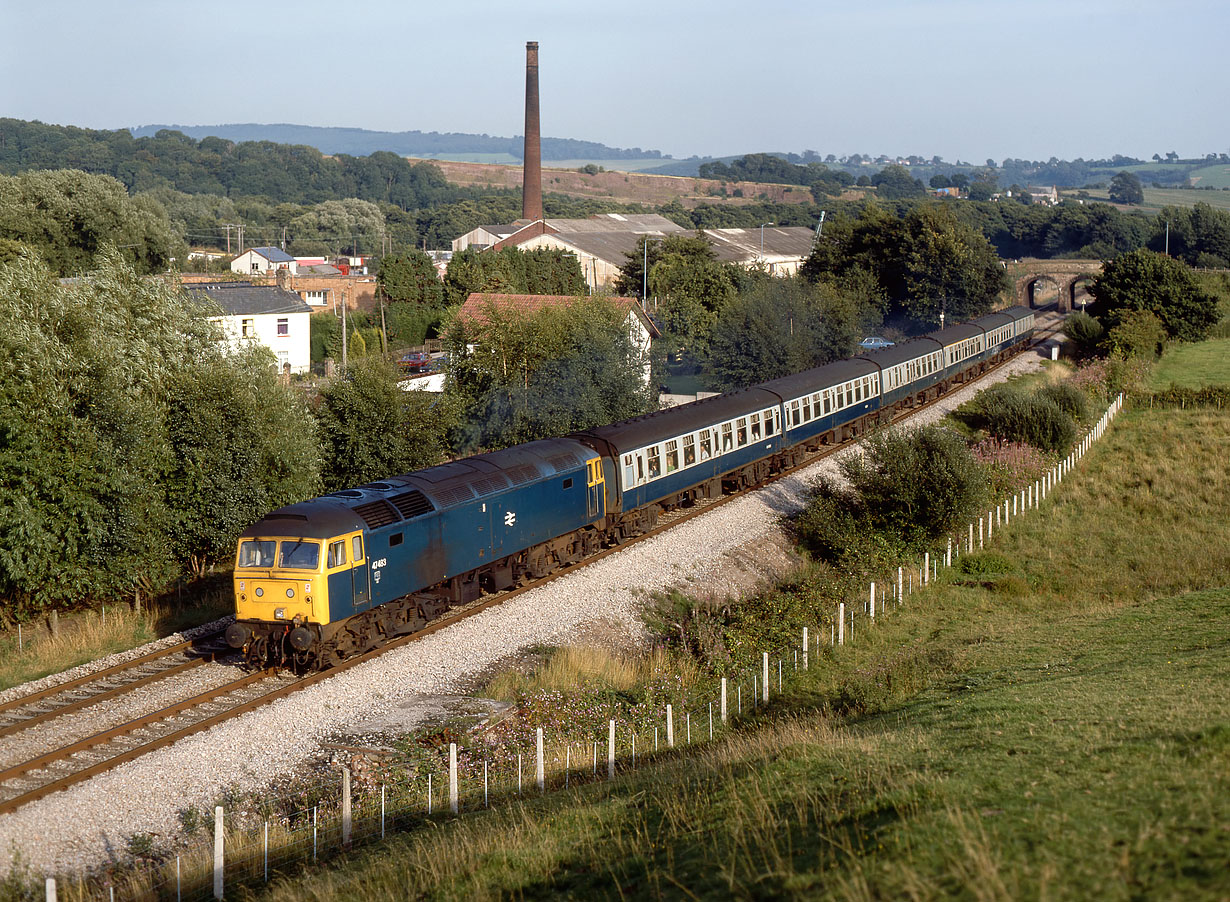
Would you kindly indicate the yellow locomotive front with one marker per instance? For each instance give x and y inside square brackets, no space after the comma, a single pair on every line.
[280,597]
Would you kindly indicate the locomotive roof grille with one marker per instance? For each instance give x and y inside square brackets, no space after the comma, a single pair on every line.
[563,462]
[377,513]
[522,474]
[492,483]
[412,504]
[454,495]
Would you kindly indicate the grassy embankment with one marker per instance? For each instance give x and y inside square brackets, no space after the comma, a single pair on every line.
[1051,725]
[90,635]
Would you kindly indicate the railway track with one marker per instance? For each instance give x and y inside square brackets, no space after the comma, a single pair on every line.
[78,761]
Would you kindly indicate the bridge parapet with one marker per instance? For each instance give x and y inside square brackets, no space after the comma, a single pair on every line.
[1026,274]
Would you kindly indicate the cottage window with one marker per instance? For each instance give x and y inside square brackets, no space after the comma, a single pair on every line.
[284,326]
[248,329]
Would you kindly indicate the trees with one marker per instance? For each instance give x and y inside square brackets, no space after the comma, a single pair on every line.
[67,216]
[370,429]
[129,443]
[1144,280]
[1125,188]
[523,376]
[512,271]
[923,262]
[895,181]
[1197,235]
[410,277]
[689,286]
[779,327]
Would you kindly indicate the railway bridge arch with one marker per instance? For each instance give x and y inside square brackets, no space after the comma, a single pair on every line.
[1066,275]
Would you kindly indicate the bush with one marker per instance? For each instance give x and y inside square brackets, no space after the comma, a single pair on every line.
[906,489]
[1011,414]
[1139,334]
[1070,399]
[1085,333]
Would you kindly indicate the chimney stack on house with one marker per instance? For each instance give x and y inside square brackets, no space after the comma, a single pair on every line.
[531,179]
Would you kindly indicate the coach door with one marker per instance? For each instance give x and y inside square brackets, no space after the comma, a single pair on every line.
[596,487]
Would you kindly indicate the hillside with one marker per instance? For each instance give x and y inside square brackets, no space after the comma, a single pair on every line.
[623,187]
[361,141]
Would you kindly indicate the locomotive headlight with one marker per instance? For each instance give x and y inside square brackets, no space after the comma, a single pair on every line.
[259,591]
[279,613]
[290,593]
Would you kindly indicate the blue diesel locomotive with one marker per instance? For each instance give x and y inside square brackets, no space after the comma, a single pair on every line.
[321,580]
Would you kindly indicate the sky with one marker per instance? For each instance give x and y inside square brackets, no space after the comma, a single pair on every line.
[965,79]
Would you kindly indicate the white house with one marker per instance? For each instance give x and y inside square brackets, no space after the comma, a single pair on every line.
[261,260]
[273,317]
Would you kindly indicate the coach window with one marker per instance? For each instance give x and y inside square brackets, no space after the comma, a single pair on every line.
[794,413]
[706,444]
[741,431]
[689,450]
[337,553]
[770,425]
[858,391]
[655,462]
[807,409]
[755,427]
[629,471]
[672,456]
[728,439]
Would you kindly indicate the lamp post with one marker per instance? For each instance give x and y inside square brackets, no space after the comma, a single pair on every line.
[645,270]
[762,225]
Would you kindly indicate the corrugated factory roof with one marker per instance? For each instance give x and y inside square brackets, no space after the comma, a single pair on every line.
[741,245]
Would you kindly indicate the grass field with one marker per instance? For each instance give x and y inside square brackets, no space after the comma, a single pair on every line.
[1156,198]
[1053,727]
[1194,365]
[1217,176]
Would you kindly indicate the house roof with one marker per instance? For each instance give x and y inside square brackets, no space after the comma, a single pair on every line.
[273,254]
[239,298]
[476,306]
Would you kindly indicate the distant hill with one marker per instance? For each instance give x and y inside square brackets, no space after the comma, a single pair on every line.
[361,142]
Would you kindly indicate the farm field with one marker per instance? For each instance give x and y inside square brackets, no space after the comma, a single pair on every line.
[1194,365]
[1156,198]
[1050,725]
[1217,176]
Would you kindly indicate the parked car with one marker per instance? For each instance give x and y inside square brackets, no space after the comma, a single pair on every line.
[875,343]
[414,362]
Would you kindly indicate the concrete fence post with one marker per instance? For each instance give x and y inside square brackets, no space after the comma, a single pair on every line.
[841,623]
[346,818]
[50,889]
[926,568]
[218,840]
[723,700]
[900,586]
[948,552]
[805,647]
[765,689]
[990,526]
[610,750]
[980,533]
[452,777]
[670,726]
[872,607]
[540,773]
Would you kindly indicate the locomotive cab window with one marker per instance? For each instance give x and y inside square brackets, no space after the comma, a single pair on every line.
[300,555]
[257,554]
[356,549]
[337,553]
[568,483]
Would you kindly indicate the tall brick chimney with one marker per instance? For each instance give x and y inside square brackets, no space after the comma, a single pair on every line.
[531,178]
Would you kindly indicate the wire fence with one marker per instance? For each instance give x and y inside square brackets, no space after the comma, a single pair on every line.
[263,838]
